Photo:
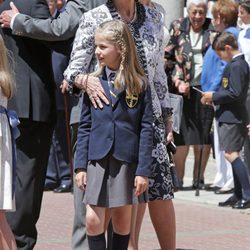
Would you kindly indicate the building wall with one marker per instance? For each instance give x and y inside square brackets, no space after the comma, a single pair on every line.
[174,8]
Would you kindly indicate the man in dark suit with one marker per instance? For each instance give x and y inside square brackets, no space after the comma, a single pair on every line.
[61,28]
[35,105]
[58,176]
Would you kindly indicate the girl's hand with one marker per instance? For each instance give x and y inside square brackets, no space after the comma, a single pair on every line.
[81,179]
[141,184]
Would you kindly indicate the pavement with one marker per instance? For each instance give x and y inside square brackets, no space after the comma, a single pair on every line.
[200,223]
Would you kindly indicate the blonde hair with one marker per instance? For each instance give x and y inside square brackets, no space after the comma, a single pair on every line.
[6,73]
[130,74]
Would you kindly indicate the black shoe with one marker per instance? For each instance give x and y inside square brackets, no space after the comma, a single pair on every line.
[229,202]
[180,182]
[211,187]
[242,204]
[50,187]
[201,184]
[224,191]
[63,188]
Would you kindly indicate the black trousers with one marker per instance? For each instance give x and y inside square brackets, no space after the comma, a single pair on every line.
[32,156]
[58,170]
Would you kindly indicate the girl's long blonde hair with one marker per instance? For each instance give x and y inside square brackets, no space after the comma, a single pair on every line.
[130,74]
[6,73]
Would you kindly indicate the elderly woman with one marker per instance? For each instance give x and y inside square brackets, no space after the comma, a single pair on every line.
[189,41]
[147,29]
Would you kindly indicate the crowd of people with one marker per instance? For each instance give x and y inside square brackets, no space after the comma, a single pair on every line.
[111,65]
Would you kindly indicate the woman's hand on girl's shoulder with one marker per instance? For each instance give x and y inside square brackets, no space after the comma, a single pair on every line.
[96,92]
[141,184]
[81,179]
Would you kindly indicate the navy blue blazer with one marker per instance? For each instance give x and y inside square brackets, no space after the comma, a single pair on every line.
[124,132]
[231,97]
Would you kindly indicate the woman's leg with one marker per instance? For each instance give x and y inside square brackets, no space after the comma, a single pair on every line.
[163,218]
[121,220]
[180,160]
[205,155]
[95,227]
[138,212]
[7,239]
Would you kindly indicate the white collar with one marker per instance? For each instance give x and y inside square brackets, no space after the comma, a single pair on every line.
[246,26]
[239,54]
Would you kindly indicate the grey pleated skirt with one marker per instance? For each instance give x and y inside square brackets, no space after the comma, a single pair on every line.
[110,183]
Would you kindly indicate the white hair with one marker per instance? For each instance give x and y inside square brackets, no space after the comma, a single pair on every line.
[196,2]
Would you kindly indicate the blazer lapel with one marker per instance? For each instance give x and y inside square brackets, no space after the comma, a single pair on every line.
[118,95]
[105,86]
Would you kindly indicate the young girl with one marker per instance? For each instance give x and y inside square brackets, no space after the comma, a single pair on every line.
[7,240]
[114,148]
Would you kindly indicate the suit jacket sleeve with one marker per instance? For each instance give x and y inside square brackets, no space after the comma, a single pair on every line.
[235,87]
[83,48]
[61,28]
[144,167]
[81,156]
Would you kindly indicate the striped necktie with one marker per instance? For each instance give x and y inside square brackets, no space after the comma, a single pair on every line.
[112,87]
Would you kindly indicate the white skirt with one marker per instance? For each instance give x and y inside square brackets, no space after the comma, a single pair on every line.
[7,200]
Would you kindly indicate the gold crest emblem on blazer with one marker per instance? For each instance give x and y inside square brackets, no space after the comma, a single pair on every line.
[224,82]
[131,100]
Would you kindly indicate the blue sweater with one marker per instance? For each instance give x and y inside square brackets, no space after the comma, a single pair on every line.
[213,67]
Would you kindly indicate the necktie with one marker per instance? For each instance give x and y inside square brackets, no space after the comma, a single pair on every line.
[112,87]
[57,14]
[247,34]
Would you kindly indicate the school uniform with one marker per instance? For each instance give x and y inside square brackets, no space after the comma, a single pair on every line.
[114,144]
[232,117]
[231,98]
